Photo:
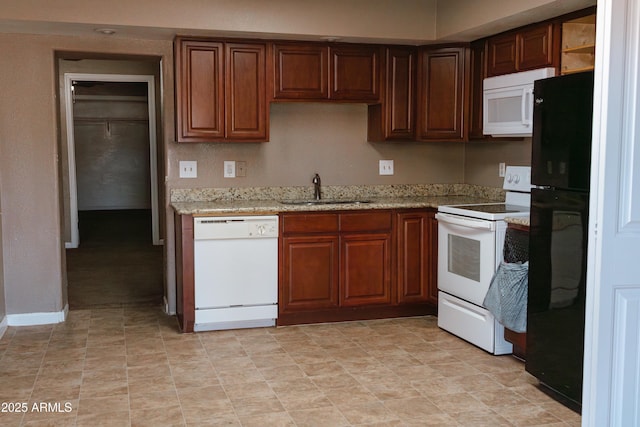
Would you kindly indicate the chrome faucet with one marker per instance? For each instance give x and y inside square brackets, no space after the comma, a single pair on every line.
[316,187]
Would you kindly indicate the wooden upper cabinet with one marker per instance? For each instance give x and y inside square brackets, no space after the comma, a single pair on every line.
[355,73]
[535,47]
[502,55]
[220,91]
[301,71]
[246,105]
[478,73]
[394,118]
[443,94]
[528,48]
[320,71]
[199,90]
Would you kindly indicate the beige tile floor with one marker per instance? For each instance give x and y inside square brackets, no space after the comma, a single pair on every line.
[130,367]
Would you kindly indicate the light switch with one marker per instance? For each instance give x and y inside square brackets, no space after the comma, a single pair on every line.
[229,169]
[188,169]
[386,167]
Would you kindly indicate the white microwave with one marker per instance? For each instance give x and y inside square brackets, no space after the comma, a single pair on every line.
[508,102]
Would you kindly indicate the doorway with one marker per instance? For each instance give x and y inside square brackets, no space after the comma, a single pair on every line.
[113,256]
[111,88]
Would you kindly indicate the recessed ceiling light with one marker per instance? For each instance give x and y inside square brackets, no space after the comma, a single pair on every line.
[105,31]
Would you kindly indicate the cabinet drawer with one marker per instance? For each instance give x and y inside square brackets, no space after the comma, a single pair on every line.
[365,221]
[309,223]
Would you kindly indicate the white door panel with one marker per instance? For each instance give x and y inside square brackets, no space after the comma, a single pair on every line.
[611,395]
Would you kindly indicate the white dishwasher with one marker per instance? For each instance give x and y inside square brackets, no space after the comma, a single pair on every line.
[236,272]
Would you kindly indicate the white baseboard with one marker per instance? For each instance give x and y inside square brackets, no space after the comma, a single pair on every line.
[3,326]
[166,307]
[32,319]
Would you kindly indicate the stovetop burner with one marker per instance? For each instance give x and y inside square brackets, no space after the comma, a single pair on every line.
[517,202]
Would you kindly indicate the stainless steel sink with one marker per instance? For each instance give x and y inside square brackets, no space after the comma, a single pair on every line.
[323,202]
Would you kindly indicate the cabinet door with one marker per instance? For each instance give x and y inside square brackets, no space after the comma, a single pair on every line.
[432,287]
[443,94]
[501,55]
[535,47]
[365,269]
[246,106]
[394,118]
[355,73]
[309,273]
[199,91]
[478,73]
[417,259]
[414,251]
[301,71]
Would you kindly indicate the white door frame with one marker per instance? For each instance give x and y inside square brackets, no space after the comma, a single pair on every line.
[611,393]
[69,78]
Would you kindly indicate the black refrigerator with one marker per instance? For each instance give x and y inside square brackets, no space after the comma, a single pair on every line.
[560,169]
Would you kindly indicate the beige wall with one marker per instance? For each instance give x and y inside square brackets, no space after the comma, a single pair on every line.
[330,139]
[481,159]
[401,20]
[3,310]
[29,166]
[408,21]
[487,17]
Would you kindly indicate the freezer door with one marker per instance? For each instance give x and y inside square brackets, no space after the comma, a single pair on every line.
[556,299]
[562,118]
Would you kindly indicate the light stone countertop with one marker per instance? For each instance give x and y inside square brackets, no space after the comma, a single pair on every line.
[268,200]
[518,220]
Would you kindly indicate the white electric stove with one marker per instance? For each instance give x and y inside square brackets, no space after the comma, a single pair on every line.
[470,245]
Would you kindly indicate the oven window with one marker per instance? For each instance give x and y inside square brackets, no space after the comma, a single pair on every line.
[464,257]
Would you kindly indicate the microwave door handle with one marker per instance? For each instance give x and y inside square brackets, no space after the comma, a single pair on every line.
[465,222]
[527,95]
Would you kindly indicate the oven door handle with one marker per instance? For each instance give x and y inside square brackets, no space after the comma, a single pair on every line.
[465,222]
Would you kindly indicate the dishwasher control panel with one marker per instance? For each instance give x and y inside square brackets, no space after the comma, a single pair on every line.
[235,227]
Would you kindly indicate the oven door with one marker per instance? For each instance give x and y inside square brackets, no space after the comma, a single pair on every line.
[466,256]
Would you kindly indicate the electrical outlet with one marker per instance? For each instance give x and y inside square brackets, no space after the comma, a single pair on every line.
[241,169]
[386,167]
[188,169]
[501,170]
[229,169]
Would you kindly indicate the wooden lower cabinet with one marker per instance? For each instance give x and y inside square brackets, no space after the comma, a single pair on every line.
[366,269]
[417,242]
[185,272]
[309,279]
[342,266]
